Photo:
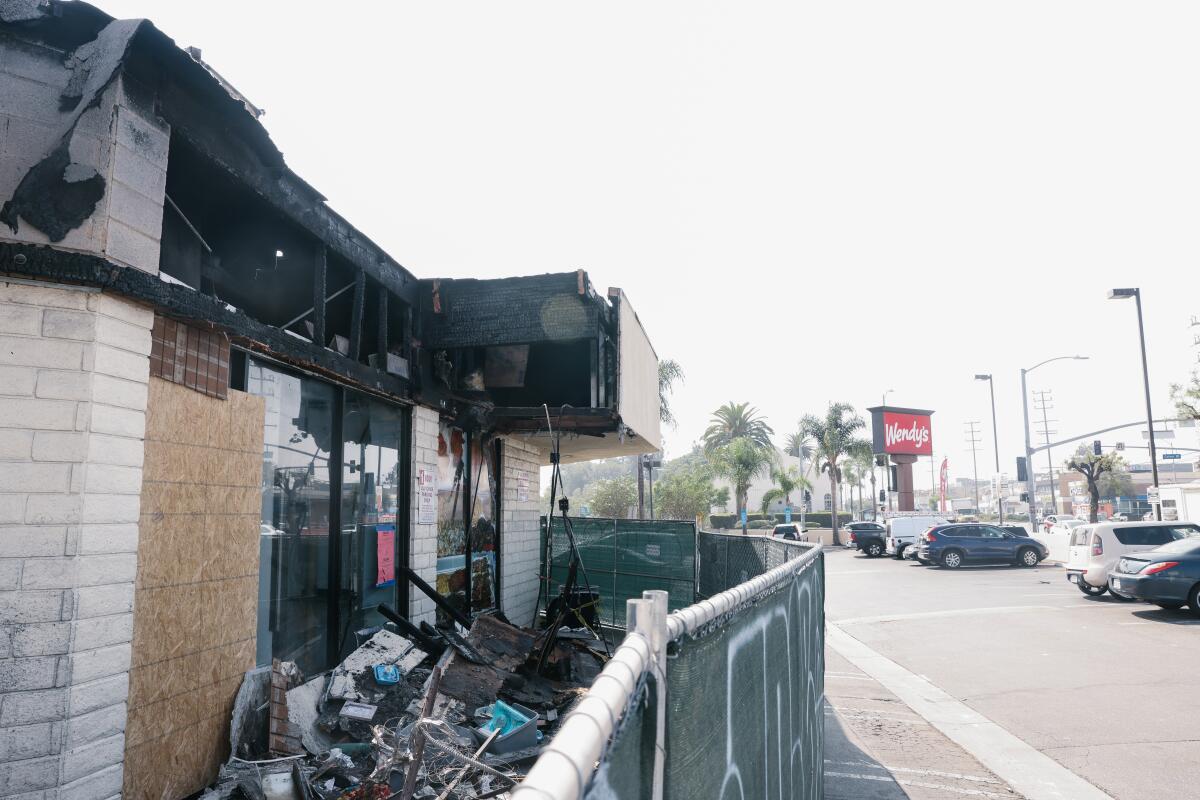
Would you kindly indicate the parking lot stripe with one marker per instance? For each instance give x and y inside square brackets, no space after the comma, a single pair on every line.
[947,612]
[920,784]
[1028,771]
[932,772]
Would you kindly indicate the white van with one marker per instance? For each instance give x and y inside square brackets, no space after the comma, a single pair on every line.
[903,531]
[1094,549]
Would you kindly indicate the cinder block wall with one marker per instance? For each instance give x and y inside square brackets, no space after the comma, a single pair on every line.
[519,532]
[197,586]
[73,372]
[120,138]
[423,544]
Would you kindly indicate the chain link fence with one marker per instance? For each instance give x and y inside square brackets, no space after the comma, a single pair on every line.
[721,699]
[621,559]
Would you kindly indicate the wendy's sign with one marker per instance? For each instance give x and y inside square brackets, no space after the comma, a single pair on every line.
[902,431]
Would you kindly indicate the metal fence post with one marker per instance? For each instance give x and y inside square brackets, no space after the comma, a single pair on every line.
[657,599]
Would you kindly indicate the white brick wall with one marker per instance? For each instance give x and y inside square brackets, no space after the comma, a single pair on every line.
[423,542]
[519,530]
[72,419]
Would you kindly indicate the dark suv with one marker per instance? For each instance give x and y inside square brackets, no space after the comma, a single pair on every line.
[951,546]
[866,536]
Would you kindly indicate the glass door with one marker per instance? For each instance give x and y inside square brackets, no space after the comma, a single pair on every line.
[372,495]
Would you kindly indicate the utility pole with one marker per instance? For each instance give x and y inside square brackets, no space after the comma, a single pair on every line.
[973,440]
[1136,294]
[1030,483]
[1043,401]
[641,478]
[996,445]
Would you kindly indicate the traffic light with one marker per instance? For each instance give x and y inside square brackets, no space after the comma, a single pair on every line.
[1096,447]
[807,496]
[1022,473]
[893,478]
[1024,497]
[882,496]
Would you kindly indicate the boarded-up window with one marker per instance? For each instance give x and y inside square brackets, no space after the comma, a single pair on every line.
[187,355]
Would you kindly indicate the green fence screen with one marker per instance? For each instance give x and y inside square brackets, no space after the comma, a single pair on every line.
[622,558]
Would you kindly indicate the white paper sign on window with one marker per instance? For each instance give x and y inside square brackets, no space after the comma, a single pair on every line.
[426,497]
[522,490]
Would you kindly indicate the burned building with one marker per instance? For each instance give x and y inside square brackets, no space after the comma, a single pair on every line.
[231,425]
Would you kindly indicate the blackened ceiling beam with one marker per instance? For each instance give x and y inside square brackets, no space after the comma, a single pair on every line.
[318,312]
[36,261]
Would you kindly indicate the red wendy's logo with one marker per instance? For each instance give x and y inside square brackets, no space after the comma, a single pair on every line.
[907,433]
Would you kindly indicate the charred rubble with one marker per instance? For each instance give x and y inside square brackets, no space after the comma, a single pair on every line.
[436,715]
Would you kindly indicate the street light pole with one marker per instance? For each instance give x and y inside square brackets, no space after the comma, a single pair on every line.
[1136,294]
[996,443]
[1030,484]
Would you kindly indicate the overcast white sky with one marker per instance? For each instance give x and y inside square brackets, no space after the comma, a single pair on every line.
[805,201]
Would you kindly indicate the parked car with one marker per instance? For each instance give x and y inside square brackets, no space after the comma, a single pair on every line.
[1167,576]
[951,546]
[903,531]
[790,531]
[867,537]
[1119,518]
[1095,549]
[1058,537]
[1050,520]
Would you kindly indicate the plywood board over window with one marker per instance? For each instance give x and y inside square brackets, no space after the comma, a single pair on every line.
[197,586]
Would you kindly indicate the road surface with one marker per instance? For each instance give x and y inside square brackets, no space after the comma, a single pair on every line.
[1061,695]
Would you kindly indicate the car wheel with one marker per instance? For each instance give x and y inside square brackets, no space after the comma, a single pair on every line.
[1172,605]
[952,559]
[1089,590]
[1194,599]
[1124,598]
[874,550]
[1028,557]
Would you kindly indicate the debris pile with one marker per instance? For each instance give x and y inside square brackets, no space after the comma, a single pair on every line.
[419,713]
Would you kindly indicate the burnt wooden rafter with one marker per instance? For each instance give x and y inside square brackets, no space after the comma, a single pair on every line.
[181,302]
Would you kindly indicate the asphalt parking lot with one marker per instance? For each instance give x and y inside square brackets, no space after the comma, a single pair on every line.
[1015,664]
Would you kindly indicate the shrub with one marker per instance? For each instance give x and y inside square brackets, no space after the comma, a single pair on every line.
[760,524]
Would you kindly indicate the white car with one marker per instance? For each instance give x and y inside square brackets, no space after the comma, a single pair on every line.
[1058,538]
[1095,549]
[903,531]
[1050,520]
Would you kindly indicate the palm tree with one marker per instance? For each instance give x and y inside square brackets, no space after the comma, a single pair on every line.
[737,421]
[834,437]
[741,461]
[669,373]
[787,480]
[800,446]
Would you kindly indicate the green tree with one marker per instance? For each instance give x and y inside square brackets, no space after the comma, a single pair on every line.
[741,461]
[669,373]
[1118,483]
[1187,398]
[834,437]
[737,421]
[613,497]
[787,480]
[687,493]
[1092,467]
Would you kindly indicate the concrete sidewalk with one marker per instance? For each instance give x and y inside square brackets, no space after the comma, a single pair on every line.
[877,748]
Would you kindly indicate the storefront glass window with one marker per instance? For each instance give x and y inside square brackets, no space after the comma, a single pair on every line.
[451,536]
[294,543]
[371,432]
[483,525]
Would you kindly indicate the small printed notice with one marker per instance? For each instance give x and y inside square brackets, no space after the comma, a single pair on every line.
[426,497]
[522,490]
[385,555]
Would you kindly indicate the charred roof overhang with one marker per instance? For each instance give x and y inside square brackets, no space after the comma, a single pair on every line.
[200,109]
[48,263]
